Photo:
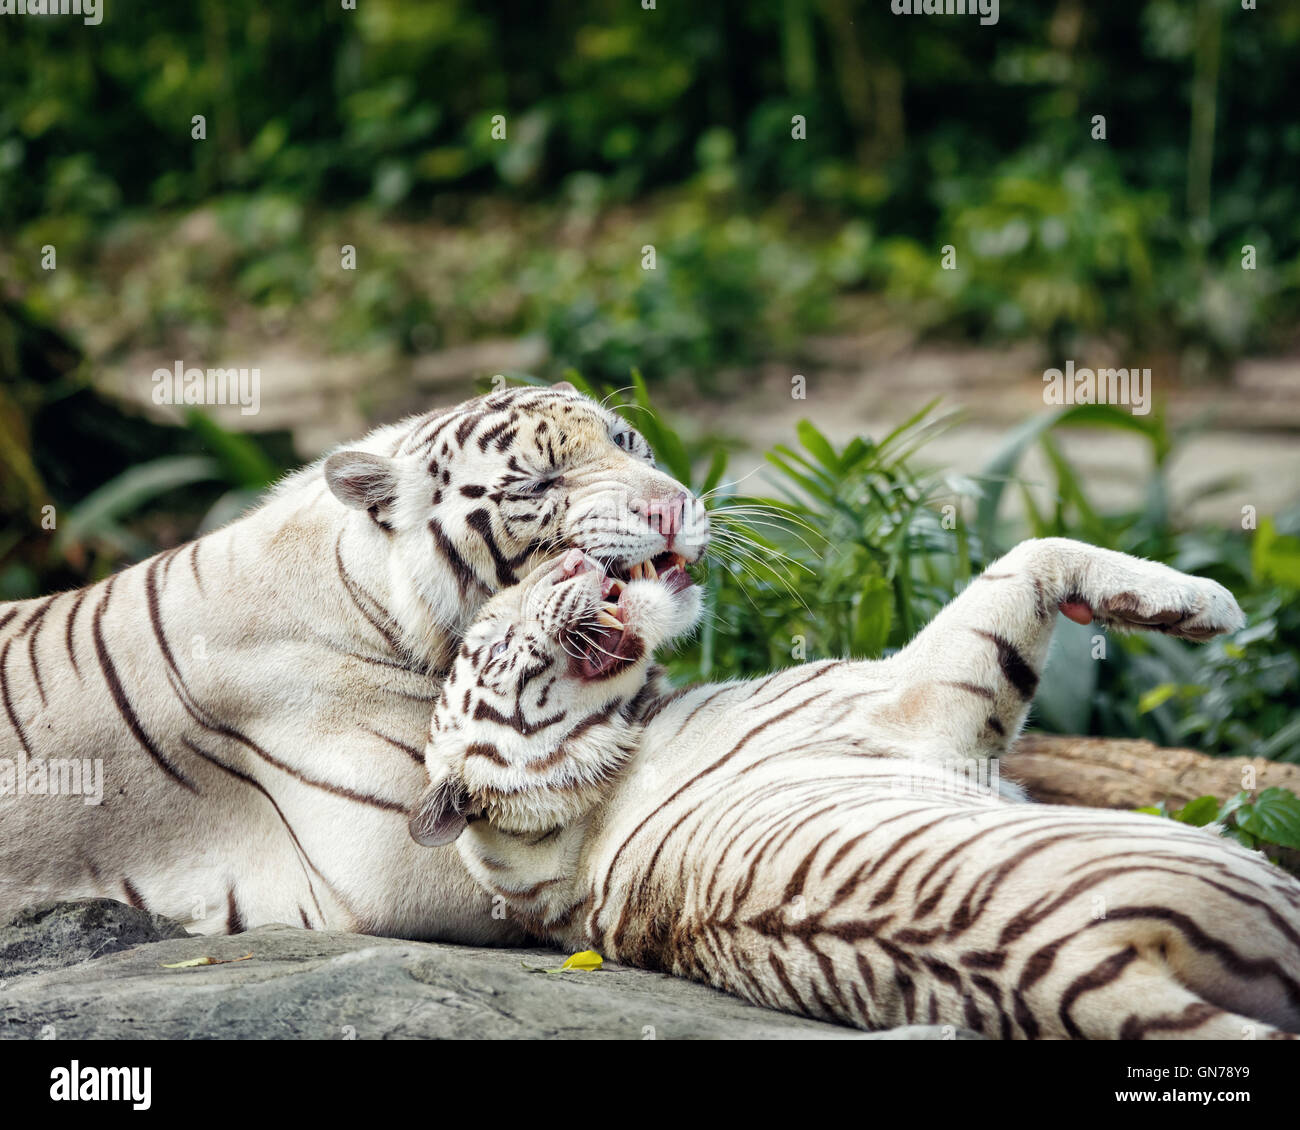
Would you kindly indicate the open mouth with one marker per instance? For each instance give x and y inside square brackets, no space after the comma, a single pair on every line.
[604,646]
[668,569]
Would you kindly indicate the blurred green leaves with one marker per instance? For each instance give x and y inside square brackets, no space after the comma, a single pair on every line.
[982,142]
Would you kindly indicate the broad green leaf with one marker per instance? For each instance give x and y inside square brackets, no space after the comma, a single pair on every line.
[1199,812]
[1273,818]
[1231,805]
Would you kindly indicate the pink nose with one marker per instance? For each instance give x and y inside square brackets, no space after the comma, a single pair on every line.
[665,514]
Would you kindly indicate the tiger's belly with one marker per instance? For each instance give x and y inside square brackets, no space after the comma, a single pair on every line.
[821,876]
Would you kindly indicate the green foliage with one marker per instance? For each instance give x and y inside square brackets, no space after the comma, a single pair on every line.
[88,486]
[914,139]
[851,556]
[1234,694]
[1269,818]
[861,546]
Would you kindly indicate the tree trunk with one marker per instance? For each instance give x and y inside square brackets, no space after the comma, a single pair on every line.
[1124,773]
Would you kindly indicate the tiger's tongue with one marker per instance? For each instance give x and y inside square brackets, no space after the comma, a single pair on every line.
[607,648]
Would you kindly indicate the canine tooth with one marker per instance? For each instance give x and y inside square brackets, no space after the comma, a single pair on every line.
[612,609]
[650,573]
[679,560]
[609,621]
[635,572]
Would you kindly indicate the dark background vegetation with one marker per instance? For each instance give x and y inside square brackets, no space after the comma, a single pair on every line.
[670,127]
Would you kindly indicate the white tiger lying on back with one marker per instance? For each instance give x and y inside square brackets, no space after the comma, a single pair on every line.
[800,840]
[539,711]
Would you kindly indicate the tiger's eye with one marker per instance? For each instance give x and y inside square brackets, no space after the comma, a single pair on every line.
[499,648]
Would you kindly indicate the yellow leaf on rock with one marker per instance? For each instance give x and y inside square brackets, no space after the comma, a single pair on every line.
[196,961]
[584,961]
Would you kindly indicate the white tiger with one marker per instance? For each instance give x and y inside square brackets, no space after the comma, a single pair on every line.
[258,699]
[804,841]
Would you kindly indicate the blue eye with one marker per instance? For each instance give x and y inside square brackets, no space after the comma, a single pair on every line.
[499,648]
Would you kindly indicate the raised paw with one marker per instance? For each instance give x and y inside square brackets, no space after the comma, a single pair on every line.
[1176,604]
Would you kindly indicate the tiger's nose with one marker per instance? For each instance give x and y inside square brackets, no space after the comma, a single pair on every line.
[664,514]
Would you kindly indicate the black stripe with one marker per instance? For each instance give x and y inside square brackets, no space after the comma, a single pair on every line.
[304,859]
[1098,977]
[72,619]
[35,622]
[1018,673]
[194,567]
[133,896]
[234,920]
[8,703]
[465,575]
[414,754]
[356,593]
[121,701]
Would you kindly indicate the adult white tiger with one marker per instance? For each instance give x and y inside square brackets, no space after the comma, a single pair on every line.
[802,840]
[260,697]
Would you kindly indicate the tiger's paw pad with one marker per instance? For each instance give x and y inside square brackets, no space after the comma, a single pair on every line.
[1192,608]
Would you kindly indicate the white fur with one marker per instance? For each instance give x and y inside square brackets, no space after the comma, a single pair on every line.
[816,841]
[274,697]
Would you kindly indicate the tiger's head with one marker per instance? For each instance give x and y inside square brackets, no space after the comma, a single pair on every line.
[460,504]
[535,715]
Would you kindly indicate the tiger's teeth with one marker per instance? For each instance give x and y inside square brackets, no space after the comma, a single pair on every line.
[679,560]
[609,621]
[612,609]
[650,573]
[635,572]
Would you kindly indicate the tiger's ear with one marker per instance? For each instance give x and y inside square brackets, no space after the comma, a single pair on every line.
[439,815]
[360,480]
[563,386]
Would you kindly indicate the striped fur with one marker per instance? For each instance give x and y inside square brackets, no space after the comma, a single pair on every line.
[259,698]
[828,840]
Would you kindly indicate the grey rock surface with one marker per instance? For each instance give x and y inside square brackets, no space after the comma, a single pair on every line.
[95,969]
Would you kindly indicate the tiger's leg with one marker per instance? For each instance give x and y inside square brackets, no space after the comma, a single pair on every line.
[529,874]
[976,665]
[1126,996]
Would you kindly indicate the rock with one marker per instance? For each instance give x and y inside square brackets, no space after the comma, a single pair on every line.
[57,934]
[94,969]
